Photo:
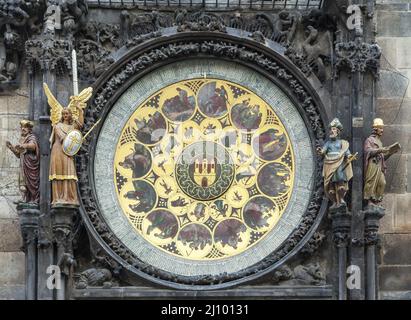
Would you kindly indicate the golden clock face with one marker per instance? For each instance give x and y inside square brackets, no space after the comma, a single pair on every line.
[204,169]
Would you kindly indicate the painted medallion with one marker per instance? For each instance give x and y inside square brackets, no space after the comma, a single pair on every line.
[204,169]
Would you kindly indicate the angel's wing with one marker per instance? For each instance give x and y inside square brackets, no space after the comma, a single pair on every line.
[80,101]
[55,106]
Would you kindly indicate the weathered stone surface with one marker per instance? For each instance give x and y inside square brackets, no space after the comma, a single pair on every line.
[12,293]
[409,173]
[395,295]
[12,266]
[403,53]
[394,111]
[401,134]
[396,249]
[407,74]
[394,23]
[392,84]
[395,277]
[18,104]
[389,49]
[10,236]
[7,207]
[402,217]
[7,158]
[396,176]
[387,222]
[4,105]
[393,7]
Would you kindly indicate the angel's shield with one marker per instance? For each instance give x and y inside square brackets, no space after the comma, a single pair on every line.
[72,142]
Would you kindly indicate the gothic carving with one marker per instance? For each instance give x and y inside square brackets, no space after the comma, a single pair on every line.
[94,278]
[257,36]
[308,37]
[314,243]
[93,59]
[309,43]
[68,16]
[372,216]
[142,38]
[18,19]
[106,35]
[96,43]
[311,274]
[48,54]
[29,224]
[139,24]
[185,49]
[341,238]
[341,226]
[354,56]
[198,21]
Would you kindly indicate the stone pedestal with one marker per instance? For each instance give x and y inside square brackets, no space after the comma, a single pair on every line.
[29,223]
[341,230]
[62,221]
[372,217]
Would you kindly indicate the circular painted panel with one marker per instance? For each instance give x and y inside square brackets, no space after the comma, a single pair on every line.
[210,169]
[203,176]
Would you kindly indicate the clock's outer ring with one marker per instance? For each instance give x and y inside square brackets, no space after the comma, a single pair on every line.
[262,59]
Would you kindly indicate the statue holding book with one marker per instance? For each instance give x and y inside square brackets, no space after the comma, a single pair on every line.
[375,155]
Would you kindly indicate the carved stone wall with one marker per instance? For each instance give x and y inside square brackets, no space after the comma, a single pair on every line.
[394,106]
[306,38]
[13,107]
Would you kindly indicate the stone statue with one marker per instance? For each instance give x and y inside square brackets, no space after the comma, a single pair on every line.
[374,163]
[301,275]
[337,170]
[94,278]
[28,151]
[62,173]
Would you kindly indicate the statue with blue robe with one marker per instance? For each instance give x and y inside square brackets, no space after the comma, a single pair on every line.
[337,169]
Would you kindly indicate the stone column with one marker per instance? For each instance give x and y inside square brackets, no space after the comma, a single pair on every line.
[372,217]
[29,224]
[62,217]
[341,231]
[359,57]
[44,55]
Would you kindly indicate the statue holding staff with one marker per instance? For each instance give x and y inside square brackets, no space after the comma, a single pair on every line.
[337,170]
[27,150]
[375,155]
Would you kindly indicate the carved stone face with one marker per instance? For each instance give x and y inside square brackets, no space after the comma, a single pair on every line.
[379,131]
[66,115]
[334,133]
[25,131]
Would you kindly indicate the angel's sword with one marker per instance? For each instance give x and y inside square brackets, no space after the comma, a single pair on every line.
[74,68]
[91,129]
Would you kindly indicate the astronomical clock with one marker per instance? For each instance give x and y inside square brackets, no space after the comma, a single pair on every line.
[200,166]
[203,169]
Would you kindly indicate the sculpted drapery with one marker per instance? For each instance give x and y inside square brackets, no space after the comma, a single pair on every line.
[375,155]
[27,150]
[62,172]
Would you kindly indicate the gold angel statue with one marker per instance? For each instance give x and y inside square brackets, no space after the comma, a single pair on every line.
[65,137]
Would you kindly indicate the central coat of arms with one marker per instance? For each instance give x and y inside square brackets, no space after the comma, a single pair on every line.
[205,170]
